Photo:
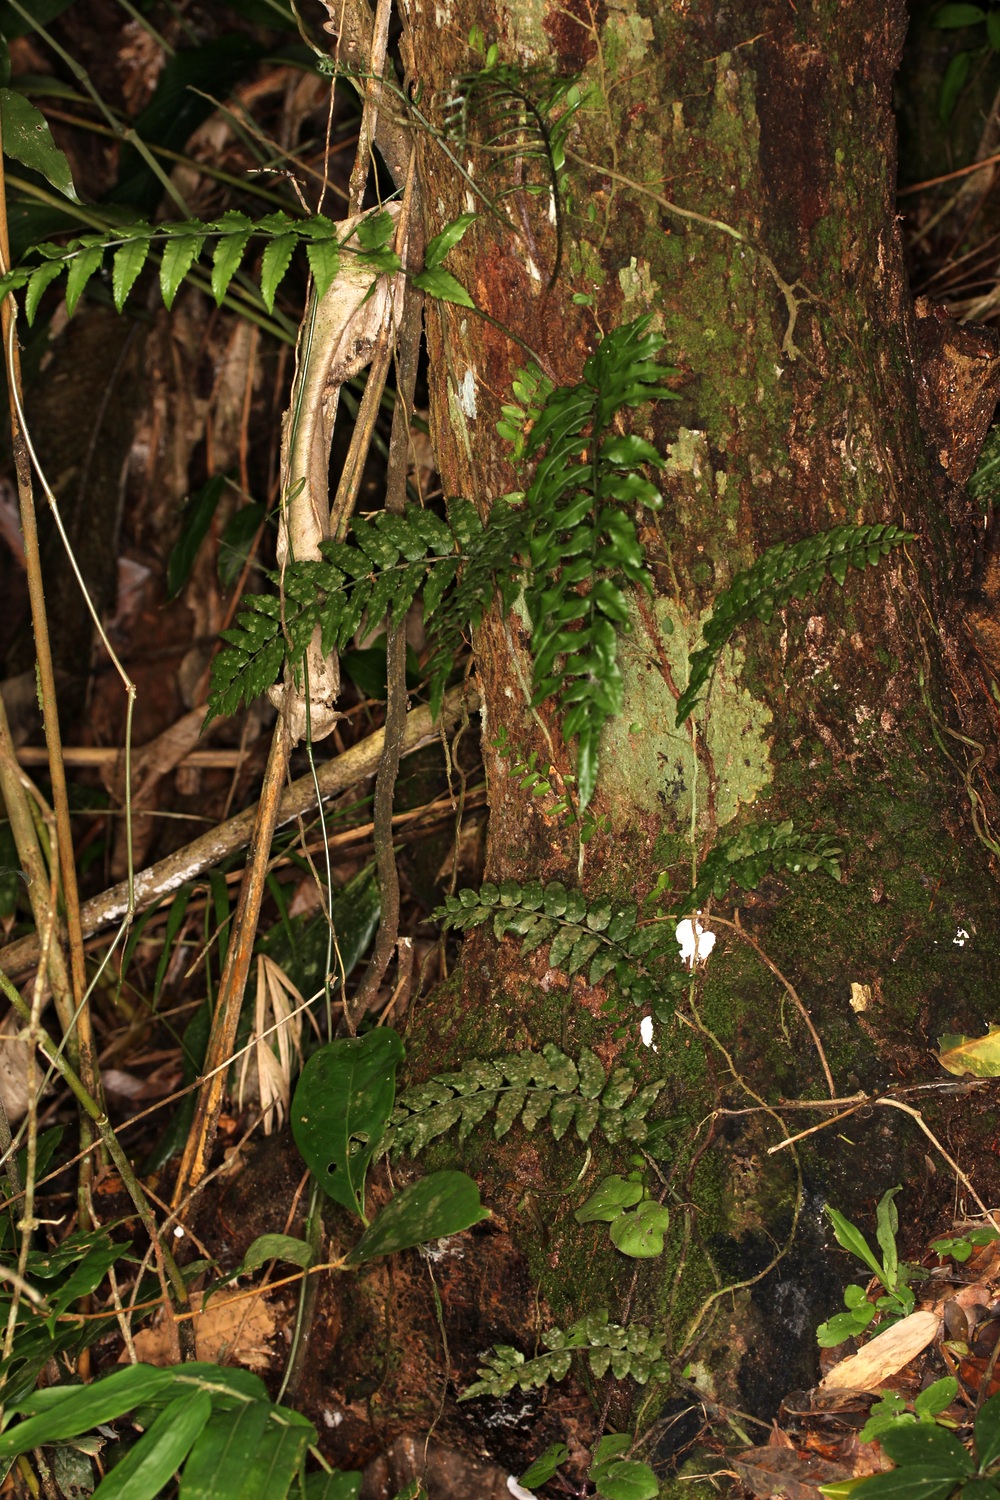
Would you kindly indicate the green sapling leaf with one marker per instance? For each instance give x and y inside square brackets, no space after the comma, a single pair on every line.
[28,139]
[441,1204]
[441,284]
[340,1110]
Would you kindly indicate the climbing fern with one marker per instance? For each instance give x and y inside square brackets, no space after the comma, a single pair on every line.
[535,1086]
[517,115]
[785,572]
[581,542]
[747,858]
[634,1351]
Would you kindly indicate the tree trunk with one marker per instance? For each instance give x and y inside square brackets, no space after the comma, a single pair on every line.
[732,173]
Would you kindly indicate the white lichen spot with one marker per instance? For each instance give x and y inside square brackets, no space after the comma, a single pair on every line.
[695,941]
[467,395]
[961,938]
[646,1032]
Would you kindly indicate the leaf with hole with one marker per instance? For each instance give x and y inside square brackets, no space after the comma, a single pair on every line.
[639,1235]
[28,139]
[340,1110]
[443,1203]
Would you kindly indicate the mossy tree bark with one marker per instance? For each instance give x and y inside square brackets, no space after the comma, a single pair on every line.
[803,405]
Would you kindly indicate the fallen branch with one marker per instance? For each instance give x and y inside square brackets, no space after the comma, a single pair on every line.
[219,843]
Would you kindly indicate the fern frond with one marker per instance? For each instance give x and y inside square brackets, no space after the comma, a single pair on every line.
[180,244]
[634,1350]
[785,572]
[582,546]
[520,113]
[747,858]
[533,1086]
[596,937]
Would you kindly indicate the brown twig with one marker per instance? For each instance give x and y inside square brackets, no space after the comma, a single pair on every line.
[219,843]
[395,713]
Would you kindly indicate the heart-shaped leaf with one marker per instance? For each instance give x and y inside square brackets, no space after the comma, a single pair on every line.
[640,1234]
[340,1110]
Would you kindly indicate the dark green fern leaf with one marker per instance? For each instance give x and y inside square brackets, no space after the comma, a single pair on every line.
[753,853]
[785,572]
[583,547]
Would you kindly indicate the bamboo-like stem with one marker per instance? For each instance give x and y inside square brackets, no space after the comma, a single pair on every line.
[53,1054]
[79,1020]
[221,1042]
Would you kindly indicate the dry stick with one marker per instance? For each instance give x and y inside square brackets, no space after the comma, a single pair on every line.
[29,852]
[53,1053]
[80,1035]
[791,991]
[219,843]
[200,1141]
[395,709]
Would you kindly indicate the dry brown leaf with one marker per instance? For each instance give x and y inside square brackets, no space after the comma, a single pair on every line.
[229,1332]
[777,1471]
[887,1353]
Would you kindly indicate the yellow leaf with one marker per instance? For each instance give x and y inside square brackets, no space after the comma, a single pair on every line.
[971,1054]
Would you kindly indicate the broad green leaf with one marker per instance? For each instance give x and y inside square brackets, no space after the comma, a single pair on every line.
[545,1465]
[925,1444]
[336,1486]
[159,1453]
[28,139]
[324,263]
[640,1234]
[608,1200]
[954,81]
[66,1411]
[979,1055]
[950,17]
[179,255]
[851,1238]
[438,247]
[225,1448]
[938,1395]
[441,284]
[195,522]
[907,1484]
[278,1458]
[278,1247]
[236,540]
[441,1204]
[887,1222]
[82,266]
[128,262]
[340,1110]
[988,1432]
[980,1489]
[40,279]
[625,1479]
[277,258]
[234,233]
[374,230]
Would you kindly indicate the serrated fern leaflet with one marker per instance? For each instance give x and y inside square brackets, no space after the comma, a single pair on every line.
[785,572]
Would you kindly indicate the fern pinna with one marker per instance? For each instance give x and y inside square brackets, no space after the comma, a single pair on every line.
[581,543]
